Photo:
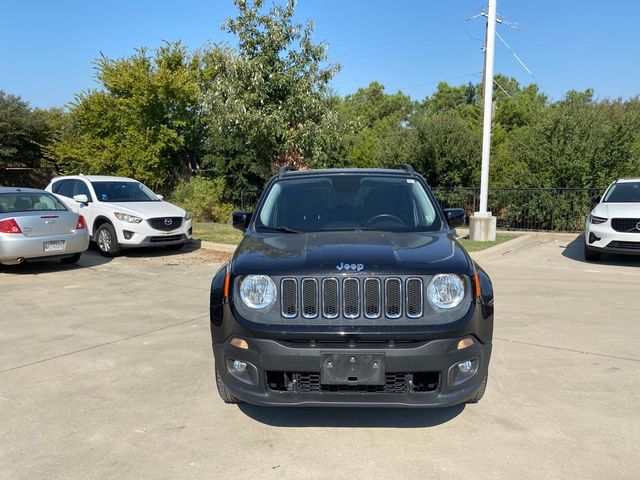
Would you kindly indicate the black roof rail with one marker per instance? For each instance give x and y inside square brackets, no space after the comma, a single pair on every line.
[286,168]
[406,167]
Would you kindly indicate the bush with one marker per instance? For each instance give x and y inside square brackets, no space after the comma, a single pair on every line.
[201,197]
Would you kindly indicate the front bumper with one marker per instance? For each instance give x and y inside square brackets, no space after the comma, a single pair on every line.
[435,358]
[18,246]
[602,238]
[143,235]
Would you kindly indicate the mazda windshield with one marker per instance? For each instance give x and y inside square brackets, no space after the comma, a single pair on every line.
[123,191]
[348,202]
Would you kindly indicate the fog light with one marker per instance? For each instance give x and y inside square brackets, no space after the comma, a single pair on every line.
[465,367]
[240,343]
[127,234]
[465,343]
[240,367]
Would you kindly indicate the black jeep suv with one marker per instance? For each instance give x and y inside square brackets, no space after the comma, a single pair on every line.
[349,288]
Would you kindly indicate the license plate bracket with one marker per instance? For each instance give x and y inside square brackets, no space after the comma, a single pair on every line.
[53,246]
[352,369]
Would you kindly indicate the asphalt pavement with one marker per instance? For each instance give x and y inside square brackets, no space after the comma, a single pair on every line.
[106,372]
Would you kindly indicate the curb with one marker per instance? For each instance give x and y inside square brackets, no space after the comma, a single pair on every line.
[217,247]
[506,247]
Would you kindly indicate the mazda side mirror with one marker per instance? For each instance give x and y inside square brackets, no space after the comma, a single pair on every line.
[160,197]
[455,217]
[240,220]
[82,198]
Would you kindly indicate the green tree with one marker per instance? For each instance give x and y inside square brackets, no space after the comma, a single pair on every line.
[23,132]
[270,103]
[145,121]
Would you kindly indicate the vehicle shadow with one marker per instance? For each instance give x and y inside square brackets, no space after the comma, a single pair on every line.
[574,250]
[92,258]
[347,417]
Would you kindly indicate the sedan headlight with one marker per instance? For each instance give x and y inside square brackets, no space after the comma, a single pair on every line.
[125,217]
[445,291]
[596,220]
[258,291]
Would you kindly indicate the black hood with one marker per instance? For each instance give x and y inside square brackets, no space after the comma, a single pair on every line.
[370,252]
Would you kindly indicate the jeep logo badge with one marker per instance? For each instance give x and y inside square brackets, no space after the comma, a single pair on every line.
[168,221]
[358,267]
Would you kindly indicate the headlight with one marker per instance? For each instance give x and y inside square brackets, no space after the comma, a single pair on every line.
[257,291]
[125,217]
[445,291]
[596,220]
[187,217]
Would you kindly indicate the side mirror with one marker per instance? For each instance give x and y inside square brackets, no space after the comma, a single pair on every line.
[160,197]
[240,220]
[596,199]
[81,198]
[455,217]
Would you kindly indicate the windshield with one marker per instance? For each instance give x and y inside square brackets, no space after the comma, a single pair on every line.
[123,192]
[627,192]
[29,202]
[348,202]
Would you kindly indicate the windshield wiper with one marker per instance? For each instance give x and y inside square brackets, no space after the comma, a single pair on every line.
[279,229]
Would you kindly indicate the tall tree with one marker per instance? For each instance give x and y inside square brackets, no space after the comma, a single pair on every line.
[270,103]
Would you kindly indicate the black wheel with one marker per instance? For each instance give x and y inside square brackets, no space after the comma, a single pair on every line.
[480,392]
[72,259]
[225,395]
[177,246]
[591,255]
[107,240]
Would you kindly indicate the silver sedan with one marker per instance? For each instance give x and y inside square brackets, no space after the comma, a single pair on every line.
[35,225]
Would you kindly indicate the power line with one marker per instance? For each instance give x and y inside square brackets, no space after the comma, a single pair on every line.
[432,82]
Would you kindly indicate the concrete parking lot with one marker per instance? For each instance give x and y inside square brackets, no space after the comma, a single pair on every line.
[106,372]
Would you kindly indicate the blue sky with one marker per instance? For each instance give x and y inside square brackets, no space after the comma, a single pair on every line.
[47,47]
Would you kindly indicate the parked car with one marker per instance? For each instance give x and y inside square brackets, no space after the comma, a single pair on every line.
[349,288]
[613,226]
[122,212]
[35,225]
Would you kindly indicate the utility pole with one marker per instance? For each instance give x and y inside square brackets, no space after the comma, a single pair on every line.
[483,224]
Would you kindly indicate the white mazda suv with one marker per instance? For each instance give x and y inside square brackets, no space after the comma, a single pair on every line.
[613,226]
[122,212]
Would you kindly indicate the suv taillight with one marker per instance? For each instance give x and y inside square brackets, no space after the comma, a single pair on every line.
[81,223]
[9,226]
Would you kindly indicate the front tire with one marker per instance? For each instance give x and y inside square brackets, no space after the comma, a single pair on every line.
[480,392]
[107,240]
[72,259]
[225,394]
[591,255]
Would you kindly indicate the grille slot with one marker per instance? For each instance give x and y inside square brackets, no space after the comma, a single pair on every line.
[393,297]
[372,298]
[351,297]
[625,245]
[625,224]
[165,224]
[414,297]
[289,303]
[330,298]
[309,298]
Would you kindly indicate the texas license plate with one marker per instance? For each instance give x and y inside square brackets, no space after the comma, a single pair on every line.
[352,369]
[53,246]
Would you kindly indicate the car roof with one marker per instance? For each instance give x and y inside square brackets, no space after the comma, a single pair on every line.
[627,180]
[94,178]
[401,172]
[21,190]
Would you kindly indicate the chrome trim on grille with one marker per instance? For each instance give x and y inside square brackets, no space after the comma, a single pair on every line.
[326,305]
[354,305]
[284,298]
[420,297]
[304,296]
[378,304]
[386,297]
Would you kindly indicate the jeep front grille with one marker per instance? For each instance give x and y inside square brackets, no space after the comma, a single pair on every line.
[352,297]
